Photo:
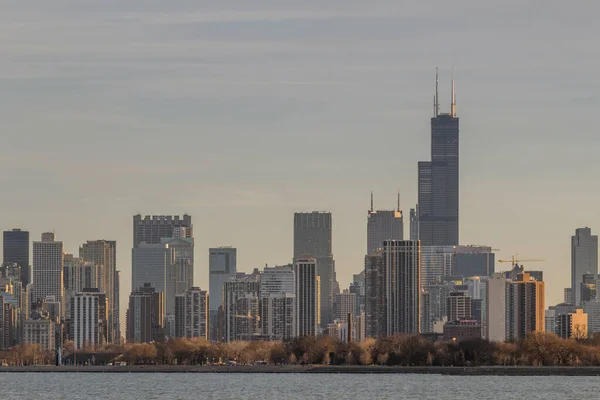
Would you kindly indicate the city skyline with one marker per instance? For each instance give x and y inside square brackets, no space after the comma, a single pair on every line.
[230,197]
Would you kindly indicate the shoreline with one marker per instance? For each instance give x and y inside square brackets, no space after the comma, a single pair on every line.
[317,369]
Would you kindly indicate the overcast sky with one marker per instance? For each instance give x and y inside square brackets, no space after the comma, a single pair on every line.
[242,112]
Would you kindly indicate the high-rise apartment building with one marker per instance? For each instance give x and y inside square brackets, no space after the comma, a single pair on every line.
[383,225]
[439,180]
[375,295]
[278,302]
[459,306]
[191,314]
[345,303]
[152,263]
[312,239]
[102,255]
[584,260]
[9,314]
[222,266]
[494,321]
[524,307]
[16,251]
[307,296]
[151,229]
[145,316]
[47,269]
[241,307]
[89,324]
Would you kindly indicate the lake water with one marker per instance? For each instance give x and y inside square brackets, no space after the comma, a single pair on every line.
[175,386]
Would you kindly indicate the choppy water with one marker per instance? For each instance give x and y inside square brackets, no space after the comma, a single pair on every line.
[290,386]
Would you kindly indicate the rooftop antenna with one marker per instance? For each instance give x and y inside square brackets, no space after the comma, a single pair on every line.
[436,106]
[371,201]
[453,106]
[398,200]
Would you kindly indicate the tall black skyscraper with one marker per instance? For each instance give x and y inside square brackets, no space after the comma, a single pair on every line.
[438,180]
[16,250]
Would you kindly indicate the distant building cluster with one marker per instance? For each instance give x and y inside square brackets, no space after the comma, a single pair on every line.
[426,283]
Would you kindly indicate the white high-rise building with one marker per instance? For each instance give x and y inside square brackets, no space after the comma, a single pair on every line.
[307,304]
[181,276]
[494,322]
[278,302]
[89,322]
[584,260]
[47,269]
[241,307]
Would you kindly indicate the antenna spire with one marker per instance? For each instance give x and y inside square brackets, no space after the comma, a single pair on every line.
[453,104]
[436,106]
[398,200]
[371,201]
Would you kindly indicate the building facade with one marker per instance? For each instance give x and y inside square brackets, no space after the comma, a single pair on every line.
[524,307]
[278,302]
[222,266]
[145,316]
[102,255]
[313,239]
[383,225]
[307,297]
[47,269]
[40,331]
[584,260]
[88,322]
[192,314]
[494,320]
[15,247]
[152,263]
[241,305]
[439,180]
[151,229]
[401,260]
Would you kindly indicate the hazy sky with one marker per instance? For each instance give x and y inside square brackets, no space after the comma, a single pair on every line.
[242,112]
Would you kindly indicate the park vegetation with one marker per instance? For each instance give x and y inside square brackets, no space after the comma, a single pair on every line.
[537,349]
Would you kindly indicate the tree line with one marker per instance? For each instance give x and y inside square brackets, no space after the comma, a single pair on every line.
[537,349]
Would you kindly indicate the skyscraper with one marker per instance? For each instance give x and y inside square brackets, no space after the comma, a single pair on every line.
[47,270]
[241,307]
[383,225]
[151,229]
[524,307]
[191,314]
[182,273]
[401,262]
[145,316]
[438,180]
[89,318]
[375,295]
[278,302]
[312,239]
[104,253]
[222,265]
[307,296]
[584,260]
[16,251]
[152,263]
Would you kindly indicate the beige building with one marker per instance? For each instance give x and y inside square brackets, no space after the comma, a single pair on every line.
[40,331]
[573,325]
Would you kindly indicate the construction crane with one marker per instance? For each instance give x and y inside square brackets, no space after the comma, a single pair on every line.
[476,249]
[515,259]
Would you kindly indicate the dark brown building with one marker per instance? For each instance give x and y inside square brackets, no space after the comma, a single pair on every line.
[462,330]
[145,316]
